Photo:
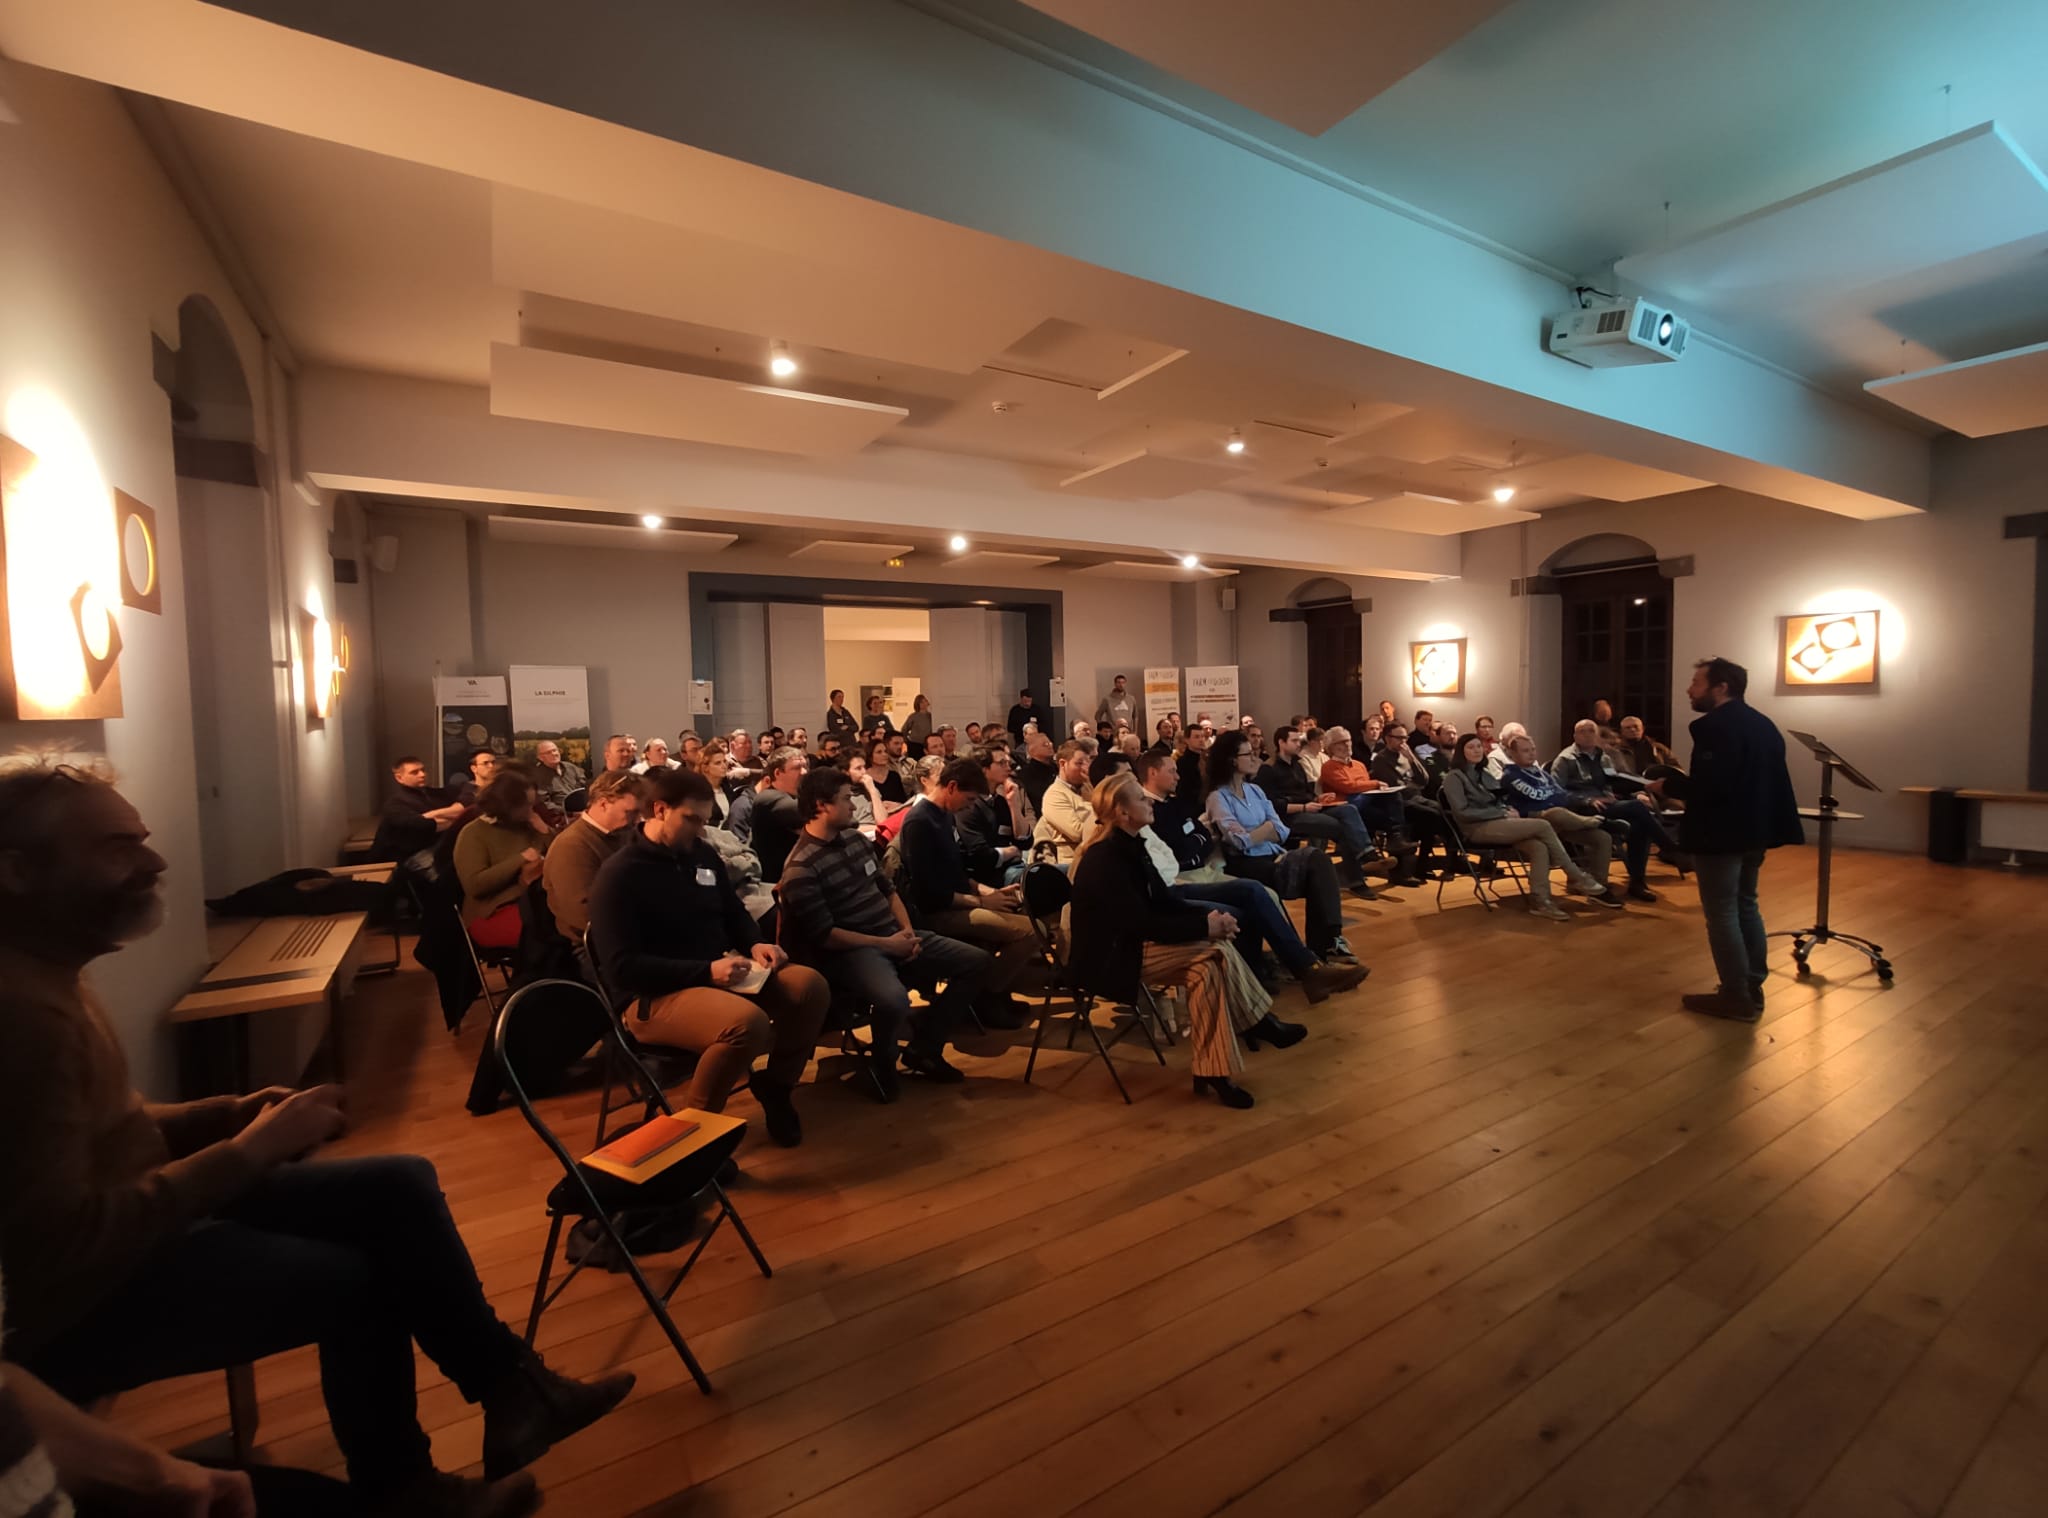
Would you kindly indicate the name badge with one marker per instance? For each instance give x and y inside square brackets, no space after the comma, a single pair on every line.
[1188,826]
[871,866]
[705,877]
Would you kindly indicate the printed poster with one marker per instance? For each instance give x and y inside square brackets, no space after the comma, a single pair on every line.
[1212,693]
[552,701]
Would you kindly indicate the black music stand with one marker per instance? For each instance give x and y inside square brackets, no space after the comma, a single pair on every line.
[1828,813]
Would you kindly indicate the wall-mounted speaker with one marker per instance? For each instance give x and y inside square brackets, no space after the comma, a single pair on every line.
[1226,597]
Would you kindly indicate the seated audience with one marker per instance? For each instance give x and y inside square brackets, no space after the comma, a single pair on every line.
[1083,728]
[1422,734]
[1129,932]
[1193,789]
[1024,714]
[934,744]
[919,726]
[146,1240]
[497,856]
[776,818]
[1065,814]
[1473,799]
[1370,733]
[620,751]
[869,805]
[740,767]
[1310,812]
[1399,771]
[887,778]
[413,814]
[992,825]
[1165,734]
[712,767]
[1533,791]
[876,718]
[555,776]
[1497,757]
[1038,771]
[483,768]
[837,718]
[668,934]
[949,739]
[655,757]
[1103,764]
[1309,759]
[904,762]
[1635,751]
[1180,847]
[1586,770]
[1483,726]
[1129,744]
[1603,720]
[928,772]
[842,915]
[973,734]
[579,851]
[689,749]
[1353,784]
[1255,846]
[800,740]
[1386,714]
[831,750]
[944,898]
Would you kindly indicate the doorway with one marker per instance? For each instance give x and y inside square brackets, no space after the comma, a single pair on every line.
[1617,646]
[1336,655]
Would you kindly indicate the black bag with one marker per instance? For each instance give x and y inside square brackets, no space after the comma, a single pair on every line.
[303,893]
[1046,887]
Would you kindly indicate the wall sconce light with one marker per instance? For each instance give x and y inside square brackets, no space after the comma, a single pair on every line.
[60,646]
[142,584]
[1437,668]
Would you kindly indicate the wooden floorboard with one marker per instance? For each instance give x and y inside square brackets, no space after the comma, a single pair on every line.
[1509,1234]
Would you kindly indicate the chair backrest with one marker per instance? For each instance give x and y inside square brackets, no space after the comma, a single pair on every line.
[556,1000]
[576,801]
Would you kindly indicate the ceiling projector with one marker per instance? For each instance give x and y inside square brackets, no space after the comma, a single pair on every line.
[1605,337]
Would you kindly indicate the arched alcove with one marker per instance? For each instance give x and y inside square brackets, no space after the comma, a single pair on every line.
[228,562]
[1598,552]
[1321,591]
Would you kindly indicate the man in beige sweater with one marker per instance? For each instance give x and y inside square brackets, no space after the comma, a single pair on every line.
[142,1241]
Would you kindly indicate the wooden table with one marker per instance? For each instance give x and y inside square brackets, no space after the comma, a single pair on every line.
[2009,820]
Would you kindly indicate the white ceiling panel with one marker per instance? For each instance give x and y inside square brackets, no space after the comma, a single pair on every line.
[1415,513]
[1148,476]
[1306,63]
[1424,437]
[1956,198]
[1151,569]
[1013,416]
[1605,479]
[1095,357]
[844,551]
[567,388]
[607,535]
[2000,392]
[1233,395]
[1003,558]
[938,316]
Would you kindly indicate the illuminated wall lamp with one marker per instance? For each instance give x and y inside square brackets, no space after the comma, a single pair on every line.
[324,650]
[60,645]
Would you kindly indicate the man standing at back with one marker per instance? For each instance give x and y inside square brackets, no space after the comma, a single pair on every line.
[1739,804]
[1116,706]
[1021,715]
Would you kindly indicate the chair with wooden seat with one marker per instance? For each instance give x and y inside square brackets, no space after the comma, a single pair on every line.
[615,1206]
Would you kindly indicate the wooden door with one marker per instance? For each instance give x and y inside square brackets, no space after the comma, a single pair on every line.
[1617,647]
[1335,653]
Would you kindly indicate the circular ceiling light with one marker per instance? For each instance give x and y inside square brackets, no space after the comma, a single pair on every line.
[957,543]
[1503,493]
[650,521]
[1190,561]
[1236,443]
[780,364]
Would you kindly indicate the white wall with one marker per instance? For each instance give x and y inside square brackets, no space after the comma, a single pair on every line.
[96,253]
[625,615]
[1956,597]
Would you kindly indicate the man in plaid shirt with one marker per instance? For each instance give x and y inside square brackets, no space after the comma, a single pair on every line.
[842,916]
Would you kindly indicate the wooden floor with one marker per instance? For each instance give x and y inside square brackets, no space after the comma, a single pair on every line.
[1507,1235]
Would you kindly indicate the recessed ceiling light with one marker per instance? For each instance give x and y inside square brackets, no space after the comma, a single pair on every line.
[780,364]
[650,521]
[1642,600]
[957,543]
[1503,493]
[1236,443]
[1190,561]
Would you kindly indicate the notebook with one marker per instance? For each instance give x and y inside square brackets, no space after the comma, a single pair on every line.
[637,1155]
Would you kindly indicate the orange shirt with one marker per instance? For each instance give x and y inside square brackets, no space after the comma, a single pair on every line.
[1347,779]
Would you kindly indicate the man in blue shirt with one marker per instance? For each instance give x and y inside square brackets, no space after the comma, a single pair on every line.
[1534,792]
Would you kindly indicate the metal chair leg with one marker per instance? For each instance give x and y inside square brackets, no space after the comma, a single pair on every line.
[657,1305]
[1038,1035]
[547,1267]
[1109,1063]
[746,1238]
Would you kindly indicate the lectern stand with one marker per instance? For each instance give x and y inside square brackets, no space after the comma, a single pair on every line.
[1828,813]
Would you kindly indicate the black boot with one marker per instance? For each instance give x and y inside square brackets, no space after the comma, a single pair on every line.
[1270,1030]
[778,1112]
[534,1408]
[1225,1092]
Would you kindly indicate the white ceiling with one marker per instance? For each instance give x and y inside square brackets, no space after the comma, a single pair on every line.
[1580,132]
[577,316]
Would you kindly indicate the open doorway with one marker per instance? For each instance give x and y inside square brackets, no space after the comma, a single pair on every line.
[1617,641]
[238,673]
[1335,650]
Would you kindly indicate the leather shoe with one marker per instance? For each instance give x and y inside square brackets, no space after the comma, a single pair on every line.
[1734,1009]
[534,1408]
[1322,982]
[778,1112]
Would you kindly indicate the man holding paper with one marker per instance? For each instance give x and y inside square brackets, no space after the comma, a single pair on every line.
[679,955]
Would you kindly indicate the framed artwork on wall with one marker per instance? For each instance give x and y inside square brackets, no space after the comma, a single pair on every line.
[1437,668]
[1828,651]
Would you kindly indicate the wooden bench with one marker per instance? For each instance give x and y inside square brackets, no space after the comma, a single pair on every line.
[362,837]
[2009,820]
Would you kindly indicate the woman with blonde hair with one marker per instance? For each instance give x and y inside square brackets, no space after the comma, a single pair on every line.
[1128,932]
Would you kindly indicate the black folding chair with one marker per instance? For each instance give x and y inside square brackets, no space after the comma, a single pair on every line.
[576,802]
[1486,862]
[586,1193]
[1141,1010]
